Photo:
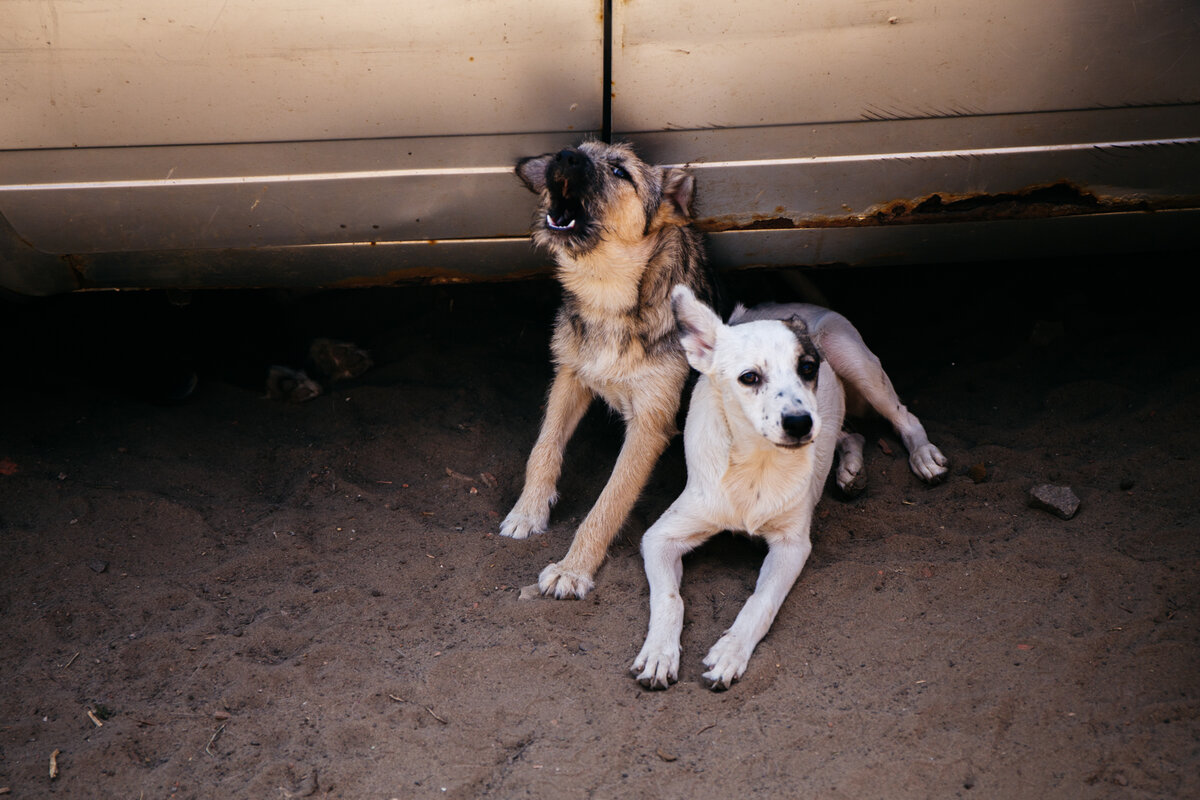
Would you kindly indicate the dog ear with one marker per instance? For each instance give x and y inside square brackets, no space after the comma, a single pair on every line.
[678,194]
[698,328]
[799,328]
[797,324]
[532,172]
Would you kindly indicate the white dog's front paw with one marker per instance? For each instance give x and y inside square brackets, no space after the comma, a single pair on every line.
[562,583]
[657,665]
[521,525]
[726,661]
[928,463]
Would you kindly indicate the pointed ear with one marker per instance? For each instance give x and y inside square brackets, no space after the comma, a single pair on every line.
[678,193]
[698,328]
[532,172]
[799,329]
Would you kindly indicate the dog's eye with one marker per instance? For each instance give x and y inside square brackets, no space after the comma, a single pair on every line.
[621,172]
[749,378]
[807,369]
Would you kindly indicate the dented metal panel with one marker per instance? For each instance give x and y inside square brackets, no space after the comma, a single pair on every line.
[142,199]
[842,113]
[137,127]
[818,176]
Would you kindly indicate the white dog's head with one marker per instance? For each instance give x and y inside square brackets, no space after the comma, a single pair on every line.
[768,368]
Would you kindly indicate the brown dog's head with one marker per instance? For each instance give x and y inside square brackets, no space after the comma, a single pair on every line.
[602,192]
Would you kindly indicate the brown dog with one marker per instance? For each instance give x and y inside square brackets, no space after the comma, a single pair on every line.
[618,229]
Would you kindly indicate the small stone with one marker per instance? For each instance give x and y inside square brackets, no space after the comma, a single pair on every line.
[97,566]
[978,472]
[1058,500]
[530,592]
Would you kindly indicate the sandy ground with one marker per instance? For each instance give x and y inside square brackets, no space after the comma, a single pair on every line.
[269,600]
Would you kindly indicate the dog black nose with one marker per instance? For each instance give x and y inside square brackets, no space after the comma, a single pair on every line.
[569,170]
[570,157]
[797,425]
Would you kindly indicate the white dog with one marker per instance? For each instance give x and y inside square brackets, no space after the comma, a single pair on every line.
[764,423]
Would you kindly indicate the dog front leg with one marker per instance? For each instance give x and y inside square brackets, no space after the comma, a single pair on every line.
[566,405]
[728,658]
[663,548]
[645,439]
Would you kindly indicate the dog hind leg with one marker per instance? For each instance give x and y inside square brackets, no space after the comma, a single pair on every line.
[728,658]
[851,478]
[646,436]
[854,362]
[567,403]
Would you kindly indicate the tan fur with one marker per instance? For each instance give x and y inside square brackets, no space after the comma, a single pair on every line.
[615,334]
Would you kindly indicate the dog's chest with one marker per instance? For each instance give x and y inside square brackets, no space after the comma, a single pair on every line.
[757,489]
[615,359]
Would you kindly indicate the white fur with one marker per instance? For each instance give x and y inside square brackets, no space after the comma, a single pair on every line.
[746,474]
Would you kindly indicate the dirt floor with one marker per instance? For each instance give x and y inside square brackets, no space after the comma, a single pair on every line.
[260,599]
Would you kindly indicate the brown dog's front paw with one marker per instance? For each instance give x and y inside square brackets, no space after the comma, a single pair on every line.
[519,525]
[563,584]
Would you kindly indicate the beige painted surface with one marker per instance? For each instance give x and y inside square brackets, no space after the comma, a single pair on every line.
[96,73]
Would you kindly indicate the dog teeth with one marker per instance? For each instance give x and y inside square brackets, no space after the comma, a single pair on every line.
[550,222]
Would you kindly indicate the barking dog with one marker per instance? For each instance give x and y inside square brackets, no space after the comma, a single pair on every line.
[764,423]
[619,231]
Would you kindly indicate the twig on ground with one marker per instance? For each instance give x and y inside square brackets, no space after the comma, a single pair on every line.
[432,713]
[208,747]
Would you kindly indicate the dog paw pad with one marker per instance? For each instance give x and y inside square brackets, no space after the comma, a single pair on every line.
[563,584]
[727,661]
[851,483]
[929,464]
[656,669]
[521,526]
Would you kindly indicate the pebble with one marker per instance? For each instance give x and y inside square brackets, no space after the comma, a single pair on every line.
[1058,500]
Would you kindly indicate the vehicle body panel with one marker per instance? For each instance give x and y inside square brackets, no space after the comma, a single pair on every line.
[239,143]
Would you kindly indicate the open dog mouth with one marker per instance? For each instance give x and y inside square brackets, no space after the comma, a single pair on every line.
[561,222]
[564,214]
[569,182]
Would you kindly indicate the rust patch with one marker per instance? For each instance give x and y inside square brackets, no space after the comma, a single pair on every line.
[1037,202]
